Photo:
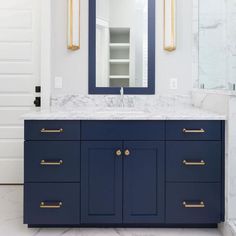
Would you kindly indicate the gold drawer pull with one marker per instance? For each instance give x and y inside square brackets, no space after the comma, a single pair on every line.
[50,206]
[51,130]
[200,205]
[51,163]
[191,163]
[200,131]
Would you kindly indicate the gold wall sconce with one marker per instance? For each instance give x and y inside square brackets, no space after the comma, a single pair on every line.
[73,24]
[169,25]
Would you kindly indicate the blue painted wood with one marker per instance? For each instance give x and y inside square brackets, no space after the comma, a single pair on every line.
[144,193]
[151,54]
[101,183]
[122,130]
[122,190]
[52,151]
[71,130]
[177,193]
[174,130]
[68,194]
[193,151]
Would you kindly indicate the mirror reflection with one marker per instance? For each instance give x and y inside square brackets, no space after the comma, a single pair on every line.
[121,43]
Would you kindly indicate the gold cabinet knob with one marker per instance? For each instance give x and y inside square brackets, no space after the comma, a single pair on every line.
[127,152]
[118,152]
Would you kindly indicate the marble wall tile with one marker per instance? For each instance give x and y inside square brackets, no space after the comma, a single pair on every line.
[214,44]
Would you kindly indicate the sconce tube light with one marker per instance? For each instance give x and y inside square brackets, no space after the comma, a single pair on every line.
[73,24]
[170,25]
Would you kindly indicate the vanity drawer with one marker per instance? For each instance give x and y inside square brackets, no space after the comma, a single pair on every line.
[52,130]
[52,204]
[196,203]
[193,161]
[52,161]
[122,130]
[193,130]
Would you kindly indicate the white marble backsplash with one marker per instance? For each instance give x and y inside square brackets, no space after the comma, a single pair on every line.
[111,107]
[65,102]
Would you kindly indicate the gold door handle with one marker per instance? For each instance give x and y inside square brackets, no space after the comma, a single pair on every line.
[51,163]
[43,130]
[191,163]
[118,152]
[200,131]
[45,205]
[199,205]
[127,152]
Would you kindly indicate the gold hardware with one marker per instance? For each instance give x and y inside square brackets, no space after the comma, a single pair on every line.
[200,205]
[172,15]
[194,130]
[190,163]
[118,153]
[71,22]
[45,206]
[127,152]
[48,163]
[51,130]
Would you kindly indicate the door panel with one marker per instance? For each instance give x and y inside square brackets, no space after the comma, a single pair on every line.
[19,73]
[144,182]
[101,182]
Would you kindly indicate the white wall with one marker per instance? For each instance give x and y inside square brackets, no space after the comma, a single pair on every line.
[73,66]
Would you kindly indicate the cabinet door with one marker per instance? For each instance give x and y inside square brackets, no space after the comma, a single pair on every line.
[143,182]
[101,182]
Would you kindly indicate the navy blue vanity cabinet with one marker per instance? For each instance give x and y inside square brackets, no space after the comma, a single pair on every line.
[52,173]
[194,172]
[124,173]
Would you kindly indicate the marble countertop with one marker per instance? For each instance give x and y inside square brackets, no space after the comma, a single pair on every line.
[118,113]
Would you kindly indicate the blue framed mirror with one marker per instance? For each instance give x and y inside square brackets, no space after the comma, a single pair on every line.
[121,46]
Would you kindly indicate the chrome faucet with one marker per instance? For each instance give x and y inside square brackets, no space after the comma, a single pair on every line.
[122,97]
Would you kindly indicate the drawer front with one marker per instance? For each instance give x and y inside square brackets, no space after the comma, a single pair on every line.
[122,130]
[52,161]
[193,130]
[198,203]
[193,161]
[52,204]
[52,130]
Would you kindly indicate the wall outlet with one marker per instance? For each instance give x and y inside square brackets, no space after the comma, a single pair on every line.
[58,82]
[173,83]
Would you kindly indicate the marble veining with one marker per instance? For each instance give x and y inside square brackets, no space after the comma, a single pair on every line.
[82,101]
[158,113]
[11,222]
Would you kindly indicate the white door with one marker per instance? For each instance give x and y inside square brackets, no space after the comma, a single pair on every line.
[19,74]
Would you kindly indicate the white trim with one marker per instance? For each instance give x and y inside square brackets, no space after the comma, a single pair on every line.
[45,54]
